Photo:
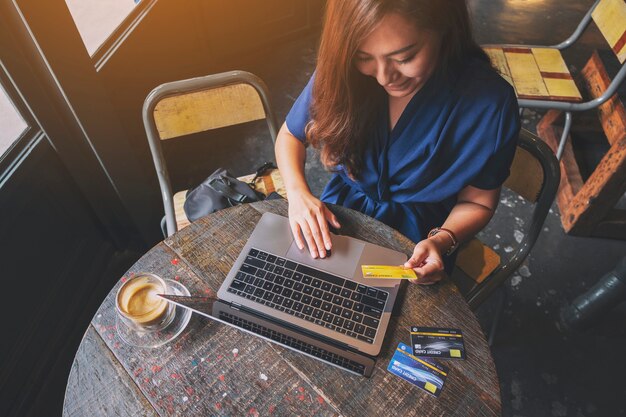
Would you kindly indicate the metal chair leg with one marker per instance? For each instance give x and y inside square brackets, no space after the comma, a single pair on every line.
[496,317]
[566,129]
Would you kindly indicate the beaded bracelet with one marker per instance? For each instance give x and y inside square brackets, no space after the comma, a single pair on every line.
[455,241]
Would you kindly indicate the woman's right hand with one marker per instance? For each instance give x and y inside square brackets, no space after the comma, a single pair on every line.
[308,216]
[309,219]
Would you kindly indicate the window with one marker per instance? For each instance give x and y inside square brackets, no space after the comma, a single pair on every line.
[97,19]
[12,125]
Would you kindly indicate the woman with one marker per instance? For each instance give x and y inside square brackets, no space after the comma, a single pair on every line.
[418,129]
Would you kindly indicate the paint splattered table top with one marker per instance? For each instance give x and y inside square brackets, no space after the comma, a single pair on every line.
[215,370]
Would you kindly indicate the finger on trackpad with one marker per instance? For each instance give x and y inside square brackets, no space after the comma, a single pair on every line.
[346,254]
[307,249]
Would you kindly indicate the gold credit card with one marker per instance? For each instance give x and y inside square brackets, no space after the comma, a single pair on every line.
[387,272]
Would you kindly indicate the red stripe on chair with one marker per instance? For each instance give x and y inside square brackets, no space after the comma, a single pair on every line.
[531,97]
[518,50]
[563,98]
[553,98]
[620,43]
[559,75]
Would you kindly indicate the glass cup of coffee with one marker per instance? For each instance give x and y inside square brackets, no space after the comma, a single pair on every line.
[139,306]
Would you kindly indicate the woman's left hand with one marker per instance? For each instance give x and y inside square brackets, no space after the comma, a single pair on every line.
[426,262]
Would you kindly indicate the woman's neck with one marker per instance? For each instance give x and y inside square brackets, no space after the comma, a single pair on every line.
[396,108]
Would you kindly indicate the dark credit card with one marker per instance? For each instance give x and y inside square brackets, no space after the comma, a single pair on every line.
[425,373]
[437,343]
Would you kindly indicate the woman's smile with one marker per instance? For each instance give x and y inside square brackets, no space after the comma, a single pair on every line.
[397,86]
[399,55]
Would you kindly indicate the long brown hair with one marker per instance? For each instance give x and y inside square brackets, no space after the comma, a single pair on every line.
[344,100]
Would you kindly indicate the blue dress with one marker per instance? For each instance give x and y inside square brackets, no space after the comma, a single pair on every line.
[459,129]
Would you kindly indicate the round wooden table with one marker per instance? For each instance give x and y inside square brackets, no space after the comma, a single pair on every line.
[215,370]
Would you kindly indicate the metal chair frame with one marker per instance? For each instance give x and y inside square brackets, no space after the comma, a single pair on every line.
[569,107]
[183,87]
[551,178]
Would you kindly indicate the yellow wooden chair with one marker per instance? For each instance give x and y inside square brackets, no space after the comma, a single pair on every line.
[181,108]
[540,75]
[535,176]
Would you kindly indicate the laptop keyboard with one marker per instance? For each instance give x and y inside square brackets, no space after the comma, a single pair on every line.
[310,294]
[312,350]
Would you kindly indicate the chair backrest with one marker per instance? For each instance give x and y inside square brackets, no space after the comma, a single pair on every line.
[535,175]
[610,17]
[196,105]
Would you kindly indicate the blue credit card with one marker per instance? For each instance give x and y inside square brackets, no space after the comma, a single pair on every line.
[426,374]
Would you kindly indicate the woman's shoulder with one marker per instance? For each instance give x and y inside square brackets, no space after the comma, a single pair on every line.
[480,83]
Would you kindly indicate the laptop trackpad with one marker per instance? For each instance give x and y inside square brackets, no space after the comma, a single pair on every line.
[345,256]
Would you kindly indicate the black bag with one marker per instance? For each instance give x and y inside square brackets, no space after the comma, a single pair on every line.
[221,190]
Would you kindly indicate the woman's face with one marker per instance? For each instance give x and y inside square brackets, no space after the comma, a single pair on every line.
[400,56]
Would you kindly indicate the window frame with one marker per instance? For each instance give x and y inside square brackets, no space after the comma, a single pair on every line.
[21,146]
[120,33]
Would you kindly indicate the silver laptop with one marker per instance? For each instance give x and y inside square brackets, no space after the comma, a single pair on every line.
[325,300]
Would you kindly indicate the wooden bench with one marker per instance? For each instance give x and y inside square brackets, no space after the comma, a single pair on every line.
[588,206]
